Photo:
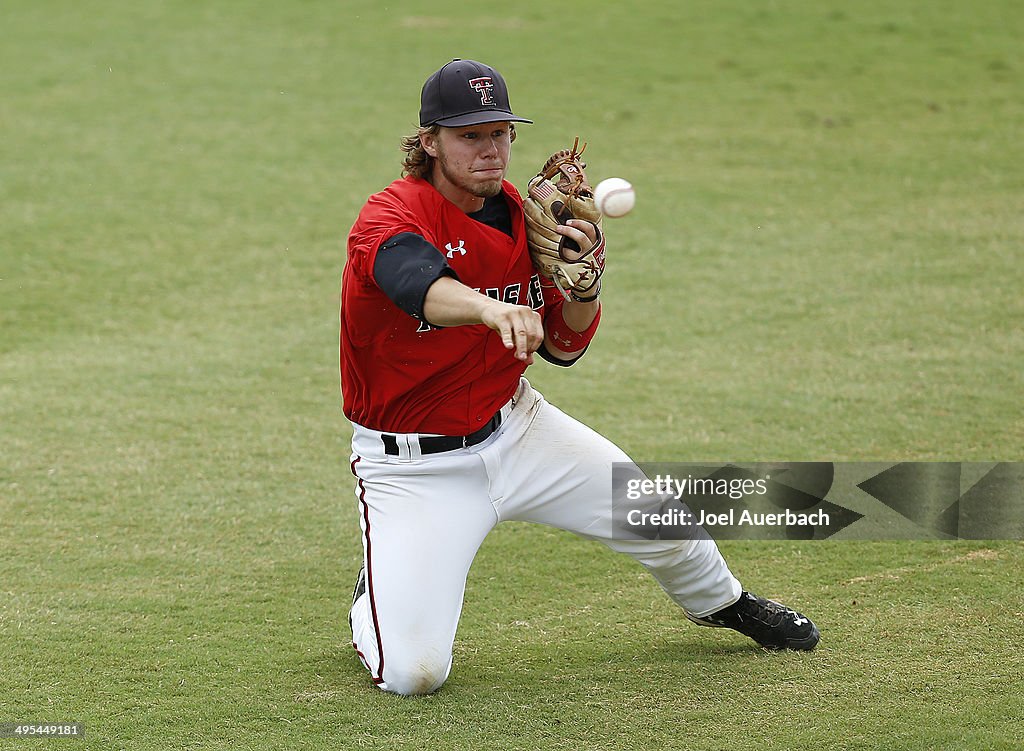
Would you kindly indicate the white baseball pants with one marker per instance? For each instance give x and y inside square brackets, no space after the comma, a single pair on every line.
[423,518]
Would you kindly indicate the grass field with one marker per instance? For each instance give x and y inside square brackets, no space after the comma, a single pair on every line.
[825,264]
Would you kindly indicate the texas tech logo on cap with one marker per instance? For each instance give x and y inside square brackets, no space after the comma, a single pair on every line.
[483,86]
[463,93]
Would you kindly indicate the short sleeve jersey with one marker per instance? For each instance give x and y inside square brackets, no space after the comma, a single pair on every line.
[402,375]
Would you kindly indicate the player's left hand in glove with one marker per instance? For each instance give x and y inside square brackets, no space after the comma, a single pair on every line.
[558,193]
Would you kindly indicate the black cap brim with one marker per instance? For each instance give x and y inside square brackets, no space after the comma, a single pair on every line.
[479,118]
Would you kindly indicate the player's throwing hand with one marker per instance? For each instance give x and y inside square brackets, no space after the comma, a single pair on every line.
[520,328]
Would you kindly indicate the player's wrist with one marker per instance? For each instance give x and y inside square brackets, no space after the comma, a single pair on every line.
[589,297]
[491,312]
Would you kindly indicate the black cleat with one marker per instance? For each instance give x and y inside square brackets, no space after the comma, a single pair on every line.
[770,624]
[358,590]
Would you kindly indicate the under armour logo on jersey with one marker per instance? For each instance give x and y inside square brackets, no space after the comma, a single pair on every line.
[565,342]
[483,86]
[460,249]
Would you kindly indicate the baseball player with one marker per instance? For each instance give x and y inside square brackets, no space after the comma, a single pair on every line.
[442,311]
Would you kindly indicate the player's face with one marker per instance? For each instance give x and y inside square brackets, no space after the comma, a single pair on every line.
[472,160]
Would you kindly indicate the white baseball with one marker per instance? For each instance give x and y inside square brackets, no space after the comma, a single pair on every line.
[614,197]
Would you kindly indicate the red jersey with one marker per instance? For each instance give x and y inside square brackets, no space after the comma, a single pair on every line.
[402,375]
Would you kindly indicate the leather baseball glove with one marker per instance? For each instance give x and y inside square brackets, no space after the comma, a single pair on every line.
[558,193]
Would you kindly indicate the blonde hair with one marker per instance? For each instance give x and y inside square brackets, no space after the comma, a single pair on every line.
[418,162]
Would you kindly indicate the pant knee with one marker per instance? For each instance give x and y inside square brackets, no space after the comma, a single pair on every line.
[417,676]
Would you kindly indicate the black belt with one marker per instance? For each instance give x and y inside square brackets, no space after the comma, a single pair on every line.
[435,444]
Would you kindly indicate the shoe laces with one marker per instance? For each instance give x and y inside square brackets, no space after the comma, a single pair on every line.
[766,611]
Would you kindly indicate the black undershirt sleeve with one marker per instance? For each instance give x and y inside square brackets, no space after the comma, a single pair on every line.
[546,355]
[405,267]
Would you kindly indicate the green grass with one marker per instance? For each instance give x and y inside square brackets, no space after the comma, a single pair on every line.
[824,264]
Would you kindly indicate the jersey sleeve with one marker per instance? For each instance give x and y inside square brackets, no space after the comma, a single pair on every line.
[382,218]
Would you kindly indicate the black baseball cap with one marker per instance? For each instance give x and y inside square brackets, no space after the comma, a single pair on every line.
[465,92]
